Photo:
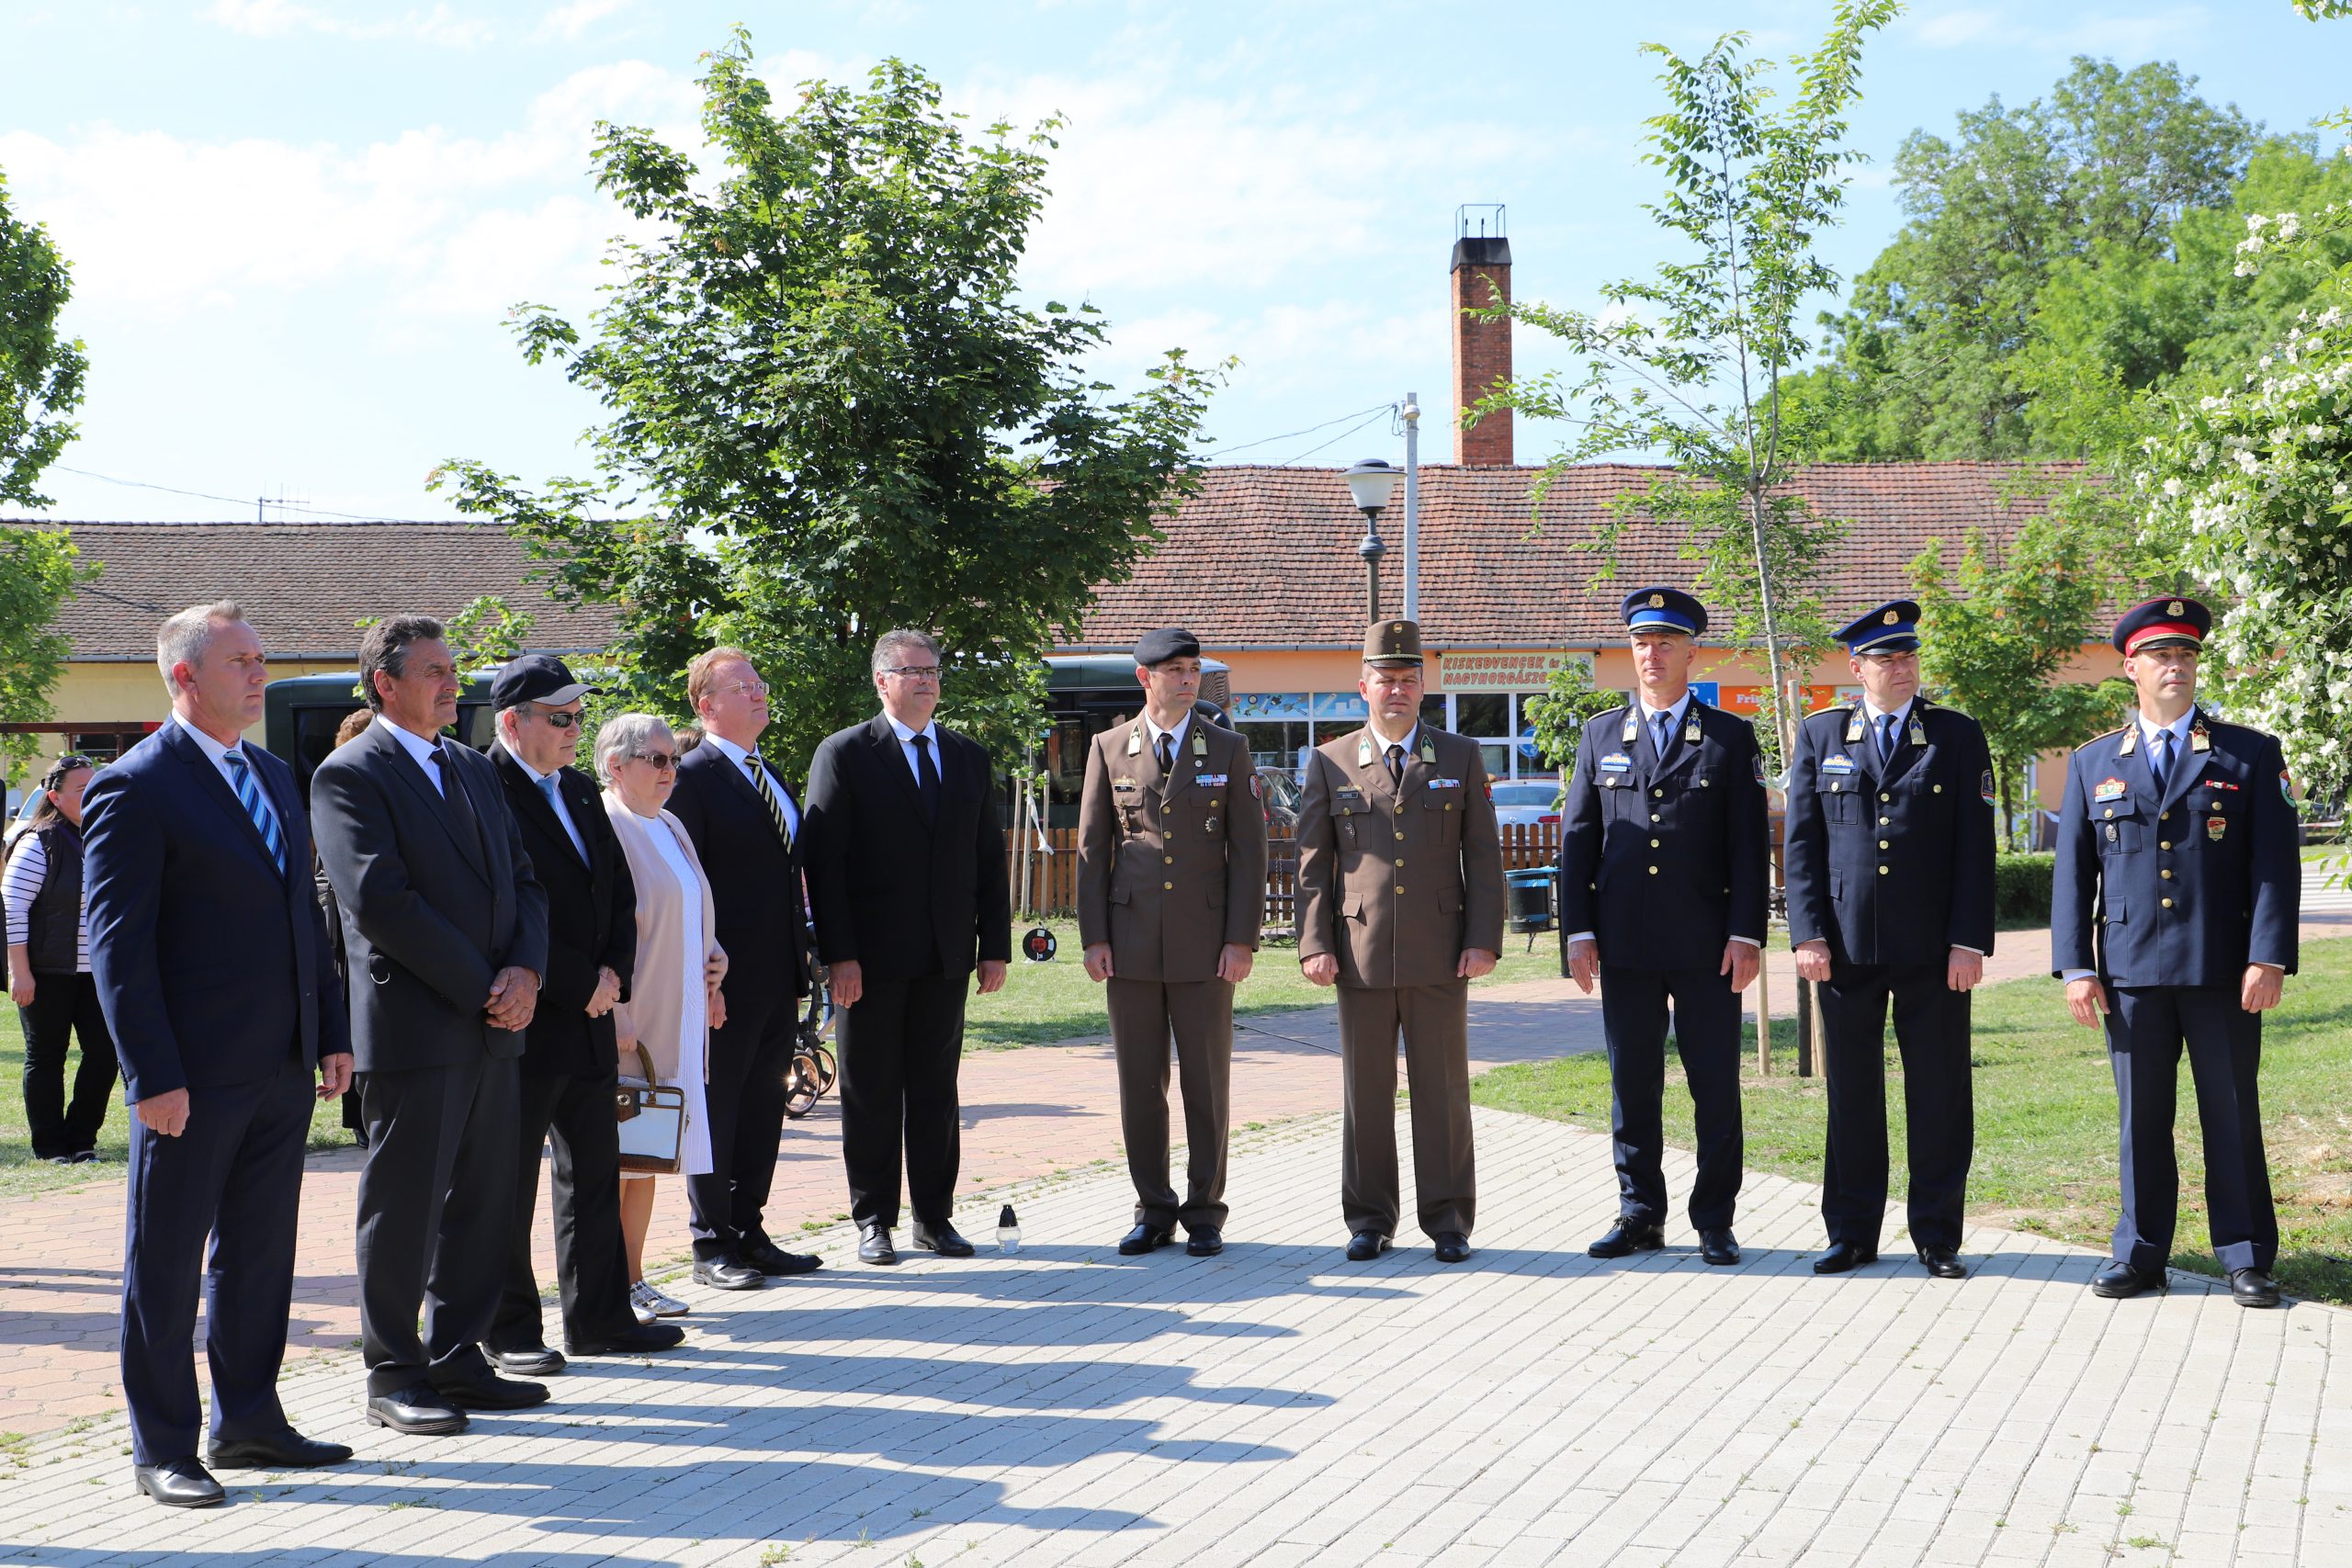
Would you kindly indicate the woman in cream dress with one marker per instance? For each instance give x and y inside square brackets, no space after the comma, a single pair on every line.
[674,1001]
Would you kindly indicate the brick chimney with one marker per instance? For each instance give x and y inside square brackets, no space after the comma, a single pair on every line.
[1481,349]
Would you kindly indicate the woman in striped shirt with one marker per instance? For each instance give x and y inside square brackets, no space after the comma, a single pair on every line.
[48,973]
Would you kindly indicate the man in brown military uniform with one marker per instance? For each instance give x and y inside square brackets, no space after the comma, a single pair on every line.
[1171,891]
[1400,902]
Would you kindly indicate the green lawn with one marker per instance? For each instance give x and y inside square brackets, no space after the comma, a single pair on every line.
[2046,1123]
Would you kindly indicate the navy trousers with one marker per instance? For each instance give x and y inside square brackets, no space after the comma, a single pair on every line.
[2146,1028]
[234,1175]
[1938,1110]
[1634,1010]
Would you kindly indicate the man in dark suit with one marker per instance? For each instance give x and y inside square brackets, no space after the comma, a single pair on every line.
[1890,879]
[445,928]
[194,834]
[2173,919]
[745,824]
[1663,857]
[570,1056]
[906,875]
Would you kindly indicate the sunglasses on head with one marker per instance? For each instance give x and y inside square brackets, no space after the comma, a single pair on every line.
[62,766]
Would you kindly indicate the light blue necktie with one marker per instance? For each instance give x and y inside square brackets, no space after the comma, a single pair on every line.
[249,795]
[1662,733]
[1885,737]
[546,787]
[2160,758]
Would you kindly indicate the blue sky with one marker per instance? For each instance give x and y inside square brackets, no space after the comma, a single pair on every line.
[296,224]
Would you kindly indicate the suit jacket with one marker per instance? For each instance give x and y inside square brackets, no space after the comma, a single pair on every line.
[1397,883]
[432,910]
[1171,868]
[213,964]
[1890,862]
[755,882]
[592,918]
[1664,864]
[904,898]
[2184,885]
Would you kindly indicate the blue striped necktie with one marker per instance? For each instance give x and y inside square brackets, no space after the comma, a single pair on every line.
[249,795]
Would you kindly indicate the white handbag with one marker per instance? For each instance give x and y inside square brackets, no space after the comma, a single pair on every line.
[652,1120]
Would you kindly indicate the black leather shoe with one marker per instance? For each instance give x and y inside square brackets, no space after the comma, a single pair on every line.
[1719,1246]
[1366,1245]
[282,1450]
[179,1484]
[526,1360]
[2121,1282]
[421,1412]
[774,1261]
[1144,1238]
[491,1392]
[1452,1247]
[942,1239]
[1206,1241]
[2253,1287]
[637,1340]
[1942,1262]
[1843,1258]
[873,1246]
[727,1274]
[1627,1237]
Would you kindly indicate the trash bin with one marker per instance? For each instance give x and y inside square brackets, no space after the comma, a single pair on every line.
[1530,900]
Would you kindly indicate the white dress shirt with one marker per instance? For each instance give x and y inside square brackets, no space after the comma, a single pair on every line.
[743,759]
[907,747]
[553,796]
[422,750]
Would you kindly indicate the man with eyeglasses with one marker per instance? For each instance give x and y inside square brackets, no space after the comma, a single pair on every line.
[745,822]
[907,876]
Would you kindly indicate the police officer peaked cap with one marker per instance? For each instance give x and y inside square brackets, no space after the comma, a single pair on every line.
[1392,642]
[2163,622]
[1166,643]
[538,678]
[1892,628]
[1664,610]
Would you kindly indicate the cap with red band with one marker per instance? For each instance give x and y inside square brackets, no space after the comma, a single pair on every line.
[2163,622]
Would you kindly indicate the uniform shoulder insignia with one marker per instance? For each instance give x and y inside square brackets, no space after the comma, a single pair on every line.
[1824,713]
[2107,735]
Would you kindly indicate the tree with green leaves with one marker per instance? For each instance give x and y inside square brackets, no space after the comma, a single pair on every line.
[830,415]
[1556,719]
[1690,363]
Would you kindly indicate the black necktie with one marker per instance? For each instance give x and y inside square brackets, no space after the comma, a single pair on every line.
[927,778]
[1166,753]
[453,796]
[1397,766]
[2160,758]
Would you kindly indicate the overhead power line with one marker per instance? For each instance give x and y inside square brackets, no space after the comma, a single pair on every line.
[228,500]
[1294,434]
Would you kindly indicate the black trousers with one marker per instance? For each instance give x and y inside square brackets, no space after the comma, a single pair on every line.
[437,1215]
[901,1046]
[584,1199]
[66,1007]
[2146,1030]
[744,1099]
[234,1175]
[1634,1010]
[1938,1108]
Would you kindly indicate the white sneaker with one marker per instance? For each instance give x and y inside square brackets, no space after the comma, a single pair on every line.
[652,1303]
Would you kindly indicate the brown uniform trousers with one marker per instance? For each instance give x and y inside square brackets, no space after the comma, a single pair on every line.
[1394,884]
[1171,868]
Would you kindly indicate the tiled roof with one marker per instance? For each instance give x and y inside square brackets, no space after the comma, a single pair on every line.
[1266,558]
[304,583]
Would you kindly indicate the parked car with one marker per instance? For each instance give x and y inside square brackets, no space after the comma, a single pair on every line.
[1527,801]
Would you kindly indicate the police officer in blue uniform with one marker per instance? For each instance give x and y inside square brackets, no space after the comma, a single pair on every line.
[1890,879]
[1663,857]
[2174,919]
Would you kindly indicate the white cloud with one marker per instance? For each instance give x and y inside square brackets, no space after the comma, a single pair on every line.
[568,22]
[1955,27]
[440,26]
[2130,35]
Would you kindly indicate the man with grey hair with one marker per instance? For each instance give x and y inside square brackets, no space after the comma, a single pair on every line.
[907,878]
[194,834]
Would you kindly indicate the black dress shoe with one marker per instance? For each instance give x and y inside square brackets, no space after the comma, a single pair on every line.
[281,1450]
[1719,1246]
[941,1239]
[1206,1241]
[1627,1237]
[1943,1262]
[179,1484]
[2121,1282]
[1366,1245]
[2253,1287]
[1144,1238]
[526,1360]
[421,1412]
[1843,1258]
[726,1274]
[774,1261]
[1452,1247]
[637,1340]
[873,1246]
[491,1392]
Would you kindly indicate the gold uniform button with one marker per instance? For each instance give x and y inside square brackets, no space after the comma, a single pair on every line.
[1655,818]
[2161,816]
[1400,859]
[2167,903]
[1211,800]
[1882,871]
[1653,871]
[1659,794]
[1167,887]
[1400,890]
[2164,843]
[1652,844]
[1886,796]
[1168,860]
[2166,873]
[1400,837]
[1885,821]
[1883,844]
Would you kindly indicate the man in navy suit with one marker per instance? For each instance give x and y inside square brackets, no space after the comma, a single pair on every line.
[1663,857]
[2173,918]
[191,837]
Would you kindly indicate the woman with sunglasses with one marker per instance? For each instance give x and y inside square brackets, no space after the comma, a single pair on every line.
[674,1001]
[48,973]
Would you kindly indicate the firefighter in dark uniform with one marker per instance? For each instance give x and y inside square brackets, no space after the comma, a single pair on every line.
[2174,919]
[1890,880]
[1665,854]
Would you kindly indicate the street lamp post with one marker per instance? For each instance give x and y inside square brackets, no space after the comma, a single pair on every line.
[1372,482]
